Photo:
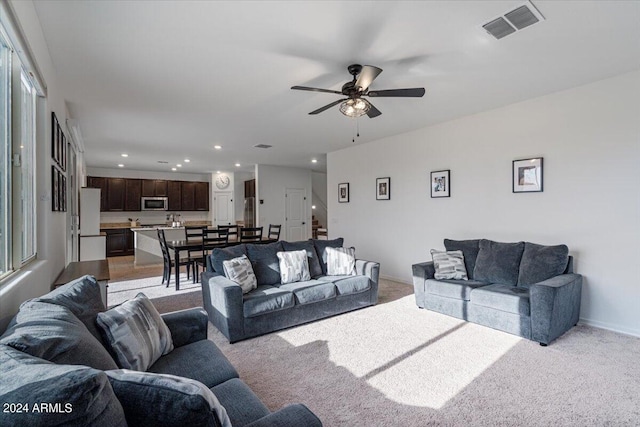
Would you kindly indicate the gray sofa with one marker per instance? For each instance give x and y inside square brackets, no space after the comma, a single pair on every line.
[522,288]
[56,371]
[273,306]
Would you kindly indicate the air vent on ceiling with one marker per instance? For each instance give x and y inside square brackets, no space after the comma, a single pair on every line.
[514,20]
[163,162]
[263,146]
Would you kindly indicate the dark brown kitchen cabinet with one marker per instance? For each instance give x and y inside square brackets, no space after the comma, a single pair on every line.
[116,188]
[132,194]
[101,183]
[188,196]
[119,241]
[202,196]
[154,188]
[174,192]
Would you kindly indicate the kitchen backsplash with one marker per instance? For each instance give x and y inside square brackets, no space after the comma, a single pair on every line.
[151,217]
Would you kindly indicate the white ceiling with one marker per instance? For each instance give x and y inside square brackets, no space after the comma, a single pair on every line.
[167,80]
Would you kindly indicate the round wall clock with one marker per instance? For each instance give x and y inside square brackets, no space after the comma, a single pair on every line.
[222,181]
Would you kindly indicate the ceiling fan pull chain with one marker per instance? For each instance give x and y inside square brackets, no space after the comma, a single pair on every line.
[358,127]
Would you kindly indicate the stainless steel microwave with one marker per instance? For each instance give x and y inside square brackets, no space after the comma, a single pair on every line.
[155,203]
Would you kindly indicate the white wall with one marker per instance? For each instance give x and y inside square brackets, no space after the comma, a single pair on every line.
[590,140]
[271,185]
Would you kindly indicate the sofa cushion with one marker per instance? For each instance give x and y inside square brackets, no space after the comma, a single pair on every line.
[53,333]
[266,299]
[321,246]
[511,299]
[294,266]
[347,285]
[242,405]
[83,395]
[311,291]
[240,271]
[312,256]
[218,255]
[469,250]
[452,288]
[449,265]
[541,263]
[135,333]
[498,262]
[82,297]
[265,262]
[201,361]
[166,400]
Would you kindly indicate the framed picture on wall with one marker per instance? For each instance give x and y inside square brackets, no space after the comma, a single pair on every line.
[383,188]
[527,175]
[54,189]
[441,183]
[343,192]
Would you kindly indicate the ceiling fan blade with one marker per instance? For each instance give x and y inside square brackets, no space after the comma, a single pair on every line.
[373,111]
[314,89]
[416,92]
[367,76]
[326,107]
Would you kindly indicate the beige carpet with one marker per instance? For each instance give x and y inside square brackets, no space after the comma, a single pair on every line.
[396,365]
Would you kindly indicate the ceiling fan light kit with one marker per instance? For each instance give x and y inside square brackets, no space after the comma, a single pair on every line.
[357,107]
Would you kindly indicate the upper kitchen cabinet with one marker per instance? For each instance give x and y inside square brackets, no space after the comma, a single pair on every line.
[132,194]
[116,188]
[174,191]
[154,188]
[202,196]
[188,196]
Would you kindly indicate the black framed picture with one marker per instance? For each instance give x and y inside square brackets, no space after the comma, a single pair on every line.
[383,188]
[343,192]
[58,143]
[441,183]
[55,207]
[527,175]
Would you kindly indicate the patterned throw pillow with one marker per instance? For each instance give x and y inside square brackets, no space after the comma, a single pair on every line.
[294,266]
[166,400]
[449,265]
[341,261]
[136,333]
[239,270]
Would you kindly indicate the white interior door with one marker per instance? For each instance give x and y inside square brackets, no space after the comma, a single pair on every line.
[296,215]
[223,208]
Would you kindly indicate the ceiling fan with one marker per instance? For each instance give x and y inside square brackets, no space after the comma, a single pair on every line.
[354,105]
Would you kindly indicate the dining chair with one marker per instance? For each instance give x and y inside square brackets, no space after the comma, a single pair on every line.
[232,231]
[274,231]
[168,263]
[193,233]
[250,234]
[211,239]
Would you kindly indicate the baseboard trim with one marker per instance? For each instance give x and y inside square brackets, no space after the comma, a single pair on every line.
[396,279]
[610,327]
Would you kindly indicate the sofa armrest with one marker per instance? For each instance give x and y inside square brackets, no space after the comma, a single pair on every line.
[555,306]
[421,272]
[295,415]
[186,326]
[223,302]
[370,269]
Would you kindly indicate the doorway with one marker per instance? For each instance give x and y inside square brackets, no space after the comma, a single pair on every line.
[223,208]
[296,214]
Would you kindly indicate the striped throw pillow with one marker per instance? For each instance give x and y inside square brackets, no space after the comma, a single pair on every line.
[239,270]
[294,266]
[341,261]
[449,265]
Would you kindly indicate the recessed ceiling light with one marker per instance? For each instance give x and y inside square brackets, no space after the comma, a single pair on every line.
[187,160]
[217,147]
[237,165]
[313,206]
[217,171]
[124,155]
[314,160]
[179,165]
[120,165]
[174,169]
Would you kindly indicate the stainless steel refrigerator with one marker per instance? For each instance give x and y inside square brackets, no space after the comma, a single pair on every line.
[250,212]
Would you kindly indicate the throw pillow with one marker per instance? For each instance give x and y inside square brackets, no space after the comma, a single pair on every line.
[265,262]
[51,332]
[166,400]
[498,262]
[312,256]
[341,261]
[469,248]
[82,395]
[239,270]
[321,249]
[541,263]
[449,265]
[135,333]
[294,266]
[219,255]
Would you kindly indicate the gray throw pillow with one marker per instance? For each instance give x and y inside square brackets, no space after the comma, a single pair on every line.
[341,261]
[294,266]
[541,263]
[449,265]
[498,262]
[82,396]
[219,255]
[135,333]
[322,245]
[469,248]
[163,400]
[312,256]
[51,332]
[240,271]
[265,262]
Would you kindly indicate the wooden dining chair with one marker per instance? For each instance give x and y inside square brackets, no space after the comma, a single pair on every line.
[232,231]
[274,231]
[211,239]
[250,234]
[168,263]
[193,233]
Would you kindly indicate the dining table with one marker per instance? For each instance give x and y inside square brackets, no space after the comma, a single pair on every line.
[194,244]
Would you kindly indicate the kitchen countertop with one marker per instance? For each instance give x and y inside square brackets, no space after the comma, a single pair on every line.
[113,225]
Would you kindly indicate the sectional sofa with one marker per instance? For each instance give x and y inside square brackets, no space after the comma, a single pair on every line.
[522,288]
[273,305]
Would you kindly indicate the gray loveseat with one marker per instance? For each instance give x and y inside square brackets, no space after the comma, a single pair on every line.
[274,306]
[56,371]
[522,288]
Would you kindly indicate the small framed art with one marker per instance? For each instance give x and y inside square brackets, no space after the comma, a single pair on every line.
[527,175]
[441,183]
[343,192]
[383,188]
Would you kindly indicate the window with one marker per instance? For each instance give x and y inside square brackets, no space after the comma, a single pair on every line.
[5,150]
